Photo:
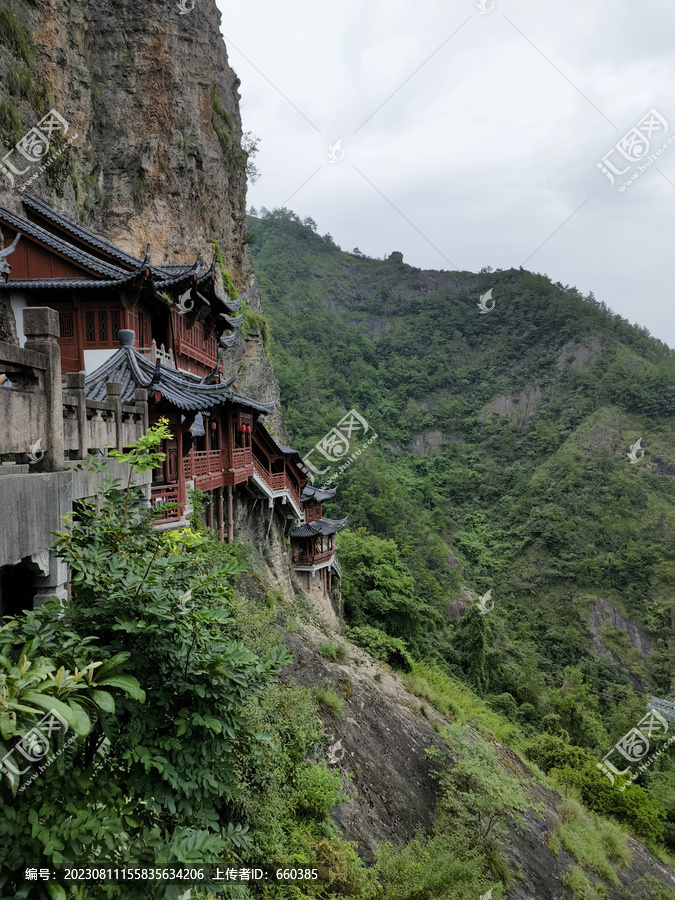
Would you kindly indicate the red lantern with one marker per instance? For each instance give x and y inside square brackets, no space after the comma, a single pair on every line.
[248,429]
[213,426]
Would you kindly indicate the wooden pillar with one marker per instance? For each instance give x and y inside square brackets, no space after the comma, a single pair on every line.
[220,519]
[323,579]
[230,516]
[209,512]
[179,462]
[309,586]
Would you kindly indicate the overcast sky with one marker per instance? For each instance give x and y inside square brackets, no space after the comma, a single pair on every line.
[472,139]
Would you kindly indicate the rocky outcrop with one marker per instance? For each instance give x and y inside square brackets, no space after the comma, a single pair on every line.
[521,405]
[155,107]
[606,614]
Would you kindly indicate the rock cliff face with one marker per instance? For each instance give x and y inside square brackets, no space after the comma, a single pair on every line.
[155,107]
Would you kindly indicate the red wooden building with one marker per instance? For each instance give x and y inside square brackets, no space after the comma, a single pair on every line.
[157,326]
[313,542]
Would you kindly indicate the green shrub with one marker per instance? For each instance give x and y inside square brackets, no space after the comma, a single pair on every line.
[594,842]
[10,122]
[329,699]
[388,649]
[575,767]
[318,789]
[333,652]
[15,36]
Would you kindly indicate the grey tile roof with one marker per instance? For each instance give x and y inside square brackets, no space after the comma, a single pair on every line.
[57,284]
[319,526]
[318,494]
[78,231]
[19,223]
[132,370]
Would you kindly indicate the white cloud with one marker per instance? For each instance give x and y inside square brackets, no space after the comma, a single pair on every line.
[488,148]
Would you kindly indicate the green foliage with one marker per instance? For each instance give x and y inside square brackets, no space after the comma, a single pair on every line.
[23,83]
[257,322]
[10,122]
[146,783]
[329,700]
[574,767]
[476,789]
[376,588]
[333,652]
[382,646]
[16,37]
[500,464]
[228,283]
[595,843]
[221,120]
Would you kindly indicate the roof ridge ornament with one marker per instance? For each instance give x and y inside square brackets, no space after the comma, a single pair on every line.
[5,267]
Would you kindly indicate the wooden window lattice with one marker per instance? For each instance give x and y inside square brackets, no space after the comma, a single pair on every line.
[90,326]
[66,325]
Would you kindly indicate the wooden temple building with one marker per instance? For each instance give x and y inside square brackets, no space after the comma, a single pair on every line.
[157,328]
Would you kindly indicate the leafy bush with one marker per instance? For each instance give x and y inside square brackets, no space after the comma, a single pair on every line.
[329,699]
[150,783]
[593,842]
[575,767]
[333,652]
[388,649]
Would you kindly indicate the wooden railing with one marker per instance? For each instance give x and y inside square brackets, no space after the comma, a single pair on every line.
[166,493]
[241,458]
[197,463]
[312,560]
[276,482]
[202,462]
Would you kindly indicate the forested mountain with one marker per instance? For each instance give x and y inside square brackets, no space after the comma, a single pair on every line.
[502,463]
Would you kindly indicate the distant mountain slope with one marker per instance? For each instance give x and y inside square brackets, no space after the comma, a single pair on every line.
[502,459]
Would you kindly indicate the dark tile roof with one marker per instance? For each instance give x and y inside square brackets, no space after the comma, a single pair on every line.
[132,370]
[79,232]
[86,260]
[65,283]
[318,494]
[319,526]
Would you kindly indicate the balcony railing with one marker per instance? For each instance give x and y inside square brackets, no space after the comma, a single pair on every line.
[166,493]
[202,462]
[241,458]
[314,559]
[276,481]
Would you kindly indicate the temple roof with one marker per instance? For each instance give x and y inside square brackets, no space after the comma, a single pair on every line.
[132,370]
[112,265]
[318,494]
[79,232]
[42,236]
[319,526]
